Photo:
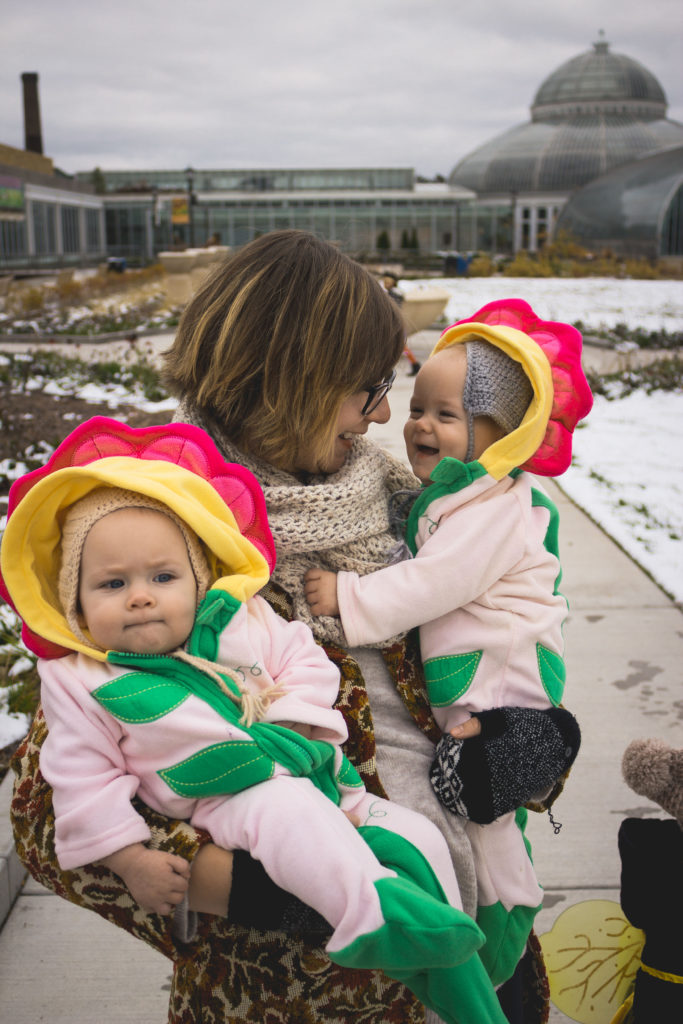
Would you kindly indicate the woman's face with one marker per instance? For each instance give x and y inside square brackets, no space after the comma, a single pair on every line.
[351,421]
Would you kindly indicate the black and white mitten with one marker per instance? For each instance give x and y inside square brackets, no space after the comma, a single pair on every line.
[518,756]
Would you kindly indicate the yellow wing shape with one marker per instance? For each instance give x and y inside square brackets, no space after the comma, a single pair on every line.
[592,954]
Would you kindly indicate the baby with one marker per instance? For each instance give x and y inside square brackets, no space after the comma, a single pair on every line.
[184,687]
[482,586]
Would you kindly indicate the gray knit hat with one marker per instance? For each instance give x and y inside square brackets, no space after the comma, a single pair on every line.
[495,386]
[79,521]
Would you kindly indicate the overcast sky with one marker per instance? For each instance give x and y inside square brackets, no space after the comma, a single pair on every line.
[305,83]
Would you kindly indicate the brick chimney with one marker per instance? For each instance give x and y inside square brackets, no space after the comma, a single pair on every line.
[32,131]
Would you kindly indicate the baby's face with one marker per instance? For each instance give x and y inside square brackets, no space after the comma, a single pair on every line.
[137,590]
[437,426]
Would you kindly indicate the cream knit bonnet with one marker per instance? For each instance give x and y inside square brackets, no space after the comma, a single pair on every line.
[80,519]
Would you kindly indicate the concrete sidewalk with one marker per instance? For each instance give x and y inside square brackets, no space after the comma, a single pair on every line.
[624,638]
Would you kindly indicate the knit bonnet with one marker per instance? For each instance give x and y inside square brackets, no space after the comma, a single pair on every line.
[79,521]
[495,386]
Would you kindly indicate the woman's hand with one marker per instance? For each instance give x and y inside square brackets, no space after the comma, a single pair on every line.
[320,589]
[156,880]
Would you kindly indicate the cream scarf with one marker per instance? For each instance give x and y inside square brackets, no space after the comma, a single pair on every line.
[336,522]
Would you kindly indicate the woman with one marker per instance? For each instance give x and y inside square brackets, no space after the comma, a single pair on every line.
[285,356]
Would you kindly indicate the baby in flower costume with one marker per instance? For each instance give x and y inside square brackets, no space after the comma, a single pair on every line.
[134,558]
[496,402]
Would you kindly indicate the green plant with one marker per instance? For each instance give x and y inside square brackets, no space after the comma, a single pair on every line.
[481,266]
[383,242]
[72,373]
[31,299]
[19,682]
[661,375]
[527,265]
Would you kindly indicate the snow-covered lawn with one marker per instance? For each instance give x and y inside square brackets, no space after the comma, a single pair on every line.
[596,301]
[627,474]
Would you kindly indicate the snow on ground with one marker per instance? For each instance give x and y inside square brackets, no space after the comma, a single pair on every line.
[596,301]
[628,467]
[627,474]
[12,726]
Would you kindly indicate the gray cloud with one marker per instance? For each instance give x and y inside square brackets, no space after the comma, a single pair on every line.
[219,83]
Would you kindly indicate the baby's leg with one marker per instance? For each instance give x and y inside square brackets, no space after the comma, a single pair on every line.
[505,872]
[509,893]
[418,830]
[309,847]
[304,842]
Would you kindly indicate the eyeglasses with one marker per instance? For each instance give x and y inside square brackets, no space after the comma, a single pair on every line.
[376,392]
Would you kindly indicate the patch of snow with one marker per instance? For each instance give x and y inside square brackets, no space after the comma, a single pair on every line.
[627,473]
[596,301]
[13,725]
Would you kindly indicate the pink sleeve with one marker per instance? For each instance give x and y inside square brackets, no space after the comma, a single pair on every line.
[456,565]
[295,660]
[82,761]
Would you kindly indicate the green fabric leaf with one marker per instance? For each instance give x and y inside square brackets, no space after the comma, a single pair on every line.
[553,673]
[165,682]
[140,697]
[551,539]
[449,676]
[507,932]
[213,616]
[348,776]
[220,769]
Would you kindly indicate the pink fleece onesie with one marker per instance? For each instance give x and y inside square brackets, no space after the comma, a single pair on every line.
[96,763]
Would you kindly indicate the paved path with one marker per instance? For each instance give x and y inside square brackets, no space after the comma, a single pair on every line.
[624,651]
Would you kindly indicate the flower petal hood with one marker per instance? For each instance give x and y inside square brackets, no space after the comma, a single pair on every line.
[550,354]
[177,464]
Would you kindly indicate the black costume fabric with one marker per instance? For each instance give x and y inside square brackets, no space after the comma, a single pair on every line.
[651,853]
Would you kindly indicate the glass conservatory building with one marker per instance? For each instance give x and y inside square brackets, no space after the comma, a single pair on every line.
[634,210]
[598,111]
[46,219]
[363,210]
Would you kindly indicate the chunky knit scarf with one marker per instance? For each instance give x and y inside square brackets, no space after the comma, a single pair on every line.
[336,522]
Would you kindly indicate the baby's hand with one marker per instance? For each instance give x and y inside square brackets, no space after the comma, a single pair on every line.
[466,730]
[157,881]
[320,588]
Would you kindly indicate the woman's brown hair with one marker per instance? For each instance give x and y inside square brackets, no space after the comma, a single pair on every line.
[277,338]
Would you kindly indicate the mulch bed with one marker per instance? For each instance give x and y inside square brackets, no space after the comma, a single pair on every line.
[30,417]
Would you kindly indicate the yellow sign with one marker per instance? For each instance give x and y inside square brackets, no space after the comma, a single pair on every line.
[180,213]
[11,194]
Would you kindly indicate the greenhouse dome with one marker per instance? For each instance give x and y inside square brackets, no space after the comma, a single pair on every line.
[636,209]
[596,112]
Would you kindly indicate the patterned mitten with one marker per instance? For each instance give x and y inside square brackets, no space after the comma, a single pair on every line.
[519,754]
